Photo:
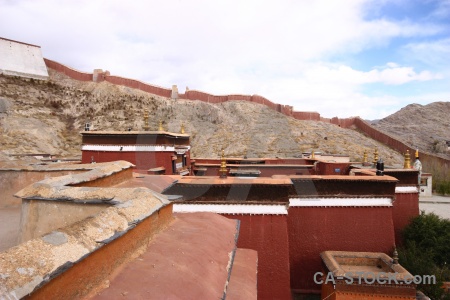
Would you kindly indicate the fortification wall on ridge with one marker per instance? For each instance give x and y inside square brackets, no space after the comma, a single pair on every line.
[284,109]
[136,84]
[72,73]
[20,59]
[372,132]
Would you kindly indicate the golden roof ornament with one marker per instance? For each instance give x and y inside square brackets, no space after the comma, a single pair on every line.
[182,128]
[160,126]
[312,154]
[146,126]
[223,165]
[365,156]
[417,153]
[375,156]
[395,257]
[407,164]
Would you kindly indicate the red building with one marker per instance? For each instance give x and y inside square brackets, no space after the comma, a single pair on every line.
[158,152]
[319,209]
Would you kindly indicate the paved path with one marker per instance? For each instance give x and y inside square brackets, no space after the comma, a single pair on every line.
[437,204]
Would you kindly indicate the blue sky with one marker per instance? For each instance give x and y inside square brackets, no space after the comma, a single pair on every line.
[344,58]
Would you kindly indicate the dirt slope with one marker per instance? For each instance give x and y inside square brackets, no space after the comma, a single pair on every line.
[424,126]
[46,117]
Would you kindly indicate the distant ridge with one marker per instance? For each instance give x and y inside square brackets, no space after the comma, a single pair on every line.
[426,127]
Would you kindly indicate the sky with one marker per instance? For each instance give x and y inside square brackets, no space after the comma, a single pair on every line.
[343,58]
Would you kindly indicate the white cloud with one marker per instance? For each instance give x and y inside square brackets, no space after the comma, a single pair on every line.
[434,53]
[278,49]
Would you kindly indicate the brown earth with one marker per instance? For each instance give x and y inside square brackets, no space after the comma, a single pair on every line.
[46,117]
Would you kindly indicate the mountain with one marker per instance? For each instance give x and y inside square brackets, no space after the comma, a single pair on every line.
[47,117]
[424,126]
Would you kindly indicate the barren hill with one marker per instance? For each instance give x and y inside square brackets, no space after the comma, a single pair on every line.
[424,126]
[46,117]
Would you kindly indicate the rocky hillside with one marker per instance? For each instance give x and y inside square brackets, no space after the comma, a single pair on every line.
[424,126]
[46,117]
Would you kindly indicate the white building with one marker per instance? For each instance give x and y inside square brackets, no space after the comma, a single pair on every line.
[21,59]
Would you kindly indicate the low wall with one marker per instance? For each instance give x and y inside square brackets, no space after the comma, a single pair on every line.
[12,181]
[40,217]
[267,234]
[108,181]
[71,262]
[42,214]
[90,273]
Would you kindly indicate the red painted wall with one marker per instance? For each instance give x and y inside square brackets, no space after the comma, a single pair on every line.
[406,207]
[316,229]
[136,84]
[329,168]
[142,160]
[306,115]
[265,171]
[267,234]
[72,73]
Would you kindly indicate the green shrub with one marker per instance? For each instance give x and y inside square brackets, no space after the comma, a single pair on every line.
[426,251]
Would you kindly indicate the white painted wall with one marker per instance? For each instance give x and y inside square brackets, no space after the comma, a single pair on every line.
[21,60]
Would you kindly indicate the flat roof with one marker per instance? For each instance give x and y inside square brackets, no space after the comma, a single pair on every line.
[344,177]
[125,132]
[255,165]
[214,180]
[191,259]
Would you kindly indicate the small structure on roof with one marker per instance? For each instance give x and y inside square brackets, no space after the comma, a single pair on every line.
[364,275]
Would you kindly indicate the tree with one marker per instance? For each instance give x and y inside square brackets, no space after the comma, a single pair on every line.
[427,251]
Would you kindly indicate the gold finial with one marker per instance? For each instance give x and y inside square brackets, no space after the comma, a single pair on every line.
[375,156]
[146,126]
[365,156]
[312,154]
[417,153]
[223,166]
[407,164]
[182,128]
[395,257]
[160,126]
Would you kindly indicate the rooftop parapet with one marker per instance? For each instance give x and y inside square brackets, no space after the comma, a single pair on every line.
[365,275]
[31,265]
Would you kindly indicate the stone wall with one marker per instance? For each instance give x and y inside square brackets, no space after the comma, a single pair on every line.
[12,181]
[72,261]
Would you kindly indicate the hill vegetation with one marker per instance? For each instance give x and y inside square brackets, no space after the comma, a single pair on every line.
[426,127]
[46,117]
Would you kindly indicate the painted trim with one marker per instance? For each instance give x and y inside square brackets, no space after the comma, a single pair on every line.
[406,189]
[234,209]
[129,148]
[313,202]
